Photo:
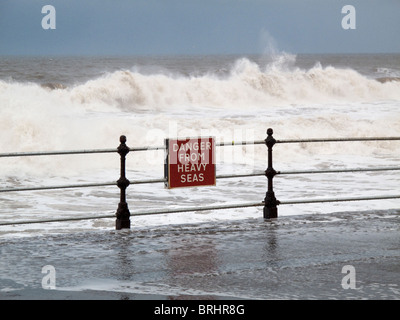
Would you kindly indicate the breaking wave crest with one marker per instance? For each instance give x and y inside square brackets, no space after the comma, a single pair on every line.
[246,97]
[246,84]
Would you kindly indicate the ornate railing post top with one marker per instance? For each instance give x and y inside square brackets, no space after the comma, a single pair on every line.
[270,141]
[123,149]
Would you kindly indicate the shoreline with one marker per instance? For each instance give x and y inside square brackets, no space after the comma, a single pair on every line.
[290,258]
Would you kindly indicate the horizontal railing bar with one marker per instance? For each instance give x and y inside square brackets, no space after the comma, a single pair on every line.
[142,213]
[53,153]
[340,199]
[148,181]
[256,142]
[223,176]
[71,186]
[57,220]
[239,143]
[338,170]
[254,174]
[134,149]
[338,139]
[214,207]
[160,180]
[88,185]
[218,144]
[193,209]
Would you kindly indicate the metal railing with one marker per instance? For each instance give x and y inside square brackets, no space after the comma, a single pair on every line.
[270,201]
[269,204]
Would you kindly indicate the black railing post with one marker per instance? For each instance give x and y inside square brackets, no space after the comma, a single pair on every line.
[270,202]
[123,214]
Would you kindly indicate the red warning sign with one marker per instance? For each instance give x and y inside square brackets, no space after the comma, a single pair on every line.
[190,162]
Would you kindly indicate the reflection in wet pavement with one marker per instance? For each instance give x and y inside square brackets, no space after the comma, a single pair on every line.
[297,257]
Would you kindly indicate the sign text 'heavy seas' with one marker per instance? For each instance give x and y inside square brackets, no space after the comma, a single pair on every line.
[190,162]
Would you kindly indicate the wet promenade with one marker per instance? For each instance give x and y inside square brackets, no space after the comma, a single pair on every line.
[335,256]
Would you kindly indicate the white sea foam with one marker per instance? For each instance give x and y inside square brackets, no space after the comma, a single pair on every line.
[238,104]
[95,112]
[247,85]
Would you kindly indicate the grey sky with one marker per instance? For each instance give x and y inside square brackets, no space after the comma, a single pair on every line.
[127,27]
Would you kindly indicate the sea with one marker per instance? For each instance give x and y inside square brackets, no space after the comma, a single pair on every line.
[86,103]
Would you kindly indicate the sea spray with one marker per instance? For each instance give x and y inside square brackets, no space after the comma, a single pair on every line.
[237,104]
[247,85]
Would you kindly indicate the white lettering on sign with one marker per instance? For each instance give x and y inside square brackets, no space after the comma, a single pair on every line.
[191,162]
[191,167]
[204,145]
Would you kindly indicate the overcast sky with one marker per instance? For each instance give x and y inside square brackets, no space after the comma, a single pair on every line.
[141,27]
